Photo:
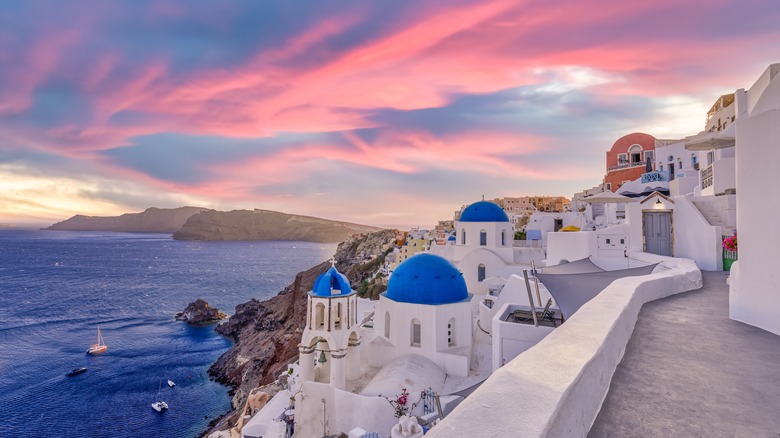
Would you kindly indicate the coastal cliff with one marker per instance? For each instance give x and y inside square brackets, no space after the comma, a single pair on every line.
[265,225]
[151,220]
[267,333]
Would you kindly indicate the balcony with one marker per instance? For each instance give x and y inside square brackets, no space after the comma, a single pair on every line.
[706,177]
[626,166]
[656,175]
[718,178]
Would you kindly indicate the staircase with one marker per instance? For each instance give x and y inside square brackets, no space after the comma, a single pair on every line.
[713,215]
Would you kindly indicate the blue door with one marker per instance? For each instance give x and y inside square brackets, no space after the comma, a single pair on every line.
[658,233]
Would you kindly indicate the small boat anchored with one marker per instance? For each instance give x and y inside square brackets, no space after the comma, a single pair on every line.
[159,405]
[76,371]
[171,383]
[100,347]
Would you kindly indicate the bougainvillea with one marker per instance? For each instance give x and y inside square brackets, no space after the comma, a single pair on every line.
[730,243]
[399,404]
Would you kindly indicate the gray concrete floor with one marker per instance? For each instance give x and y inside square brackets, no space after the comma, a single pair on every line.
[689,371]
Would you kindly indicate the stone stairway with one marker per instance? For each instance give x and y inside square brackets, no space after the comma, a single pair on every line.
[714,216]
[710,213]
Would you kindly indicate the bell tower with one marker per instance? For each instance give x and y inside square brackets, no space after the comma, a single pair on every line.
[328,348]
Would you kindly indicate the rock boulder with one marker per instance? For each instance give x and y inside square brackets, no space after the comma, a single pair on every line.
[199,312]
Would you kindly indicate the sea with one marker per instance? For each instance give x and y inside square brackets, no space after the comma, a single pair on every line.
[58,287]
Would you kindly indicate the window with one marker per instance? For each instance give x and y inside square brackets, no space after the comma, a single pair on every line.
[635,153]
[661,167]
[694,160]
[503,237]
[387,325]
[483,238]
[609,186]
[416,335]
[463,237]
[451,333]
[337,324]
[710,157]
[480,272]
[319,316]
[650,155]
[622,159]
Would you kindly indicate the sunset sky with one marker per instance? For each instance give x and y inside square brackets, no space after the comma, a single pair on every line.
[387,112]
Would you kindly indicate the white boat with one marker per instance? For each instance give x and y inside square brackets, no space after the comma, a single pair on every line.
[171,383]
[100,347]
[159,405]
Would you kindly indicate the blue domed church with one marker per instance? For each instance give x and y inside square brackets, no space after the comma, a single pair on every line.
[483,245]
[425,310]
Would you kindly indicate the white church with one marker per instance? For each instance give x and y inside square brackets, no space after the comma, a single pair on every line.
[483,247]
[422,339]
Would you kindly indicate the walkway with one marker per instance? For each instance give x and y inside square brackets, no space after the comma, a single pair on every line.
[689,371]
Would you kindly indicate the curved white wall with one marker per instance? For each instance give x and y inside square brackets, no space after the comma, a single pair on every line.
[556,388]
[755,280]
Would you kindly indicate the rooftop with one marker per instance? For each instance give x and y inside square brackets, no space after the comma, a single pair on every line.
[689,370]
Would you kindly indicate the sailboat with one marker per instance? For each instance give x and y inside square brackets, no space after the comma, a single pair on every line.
[100,347]
[159,405]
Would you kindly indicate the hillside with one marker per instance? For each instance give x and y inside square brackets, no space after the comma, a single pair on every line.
[266,225]
[151,220]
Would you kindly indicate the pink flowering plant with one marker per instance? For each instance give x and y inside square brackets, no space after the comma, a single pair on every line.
[400,404]
[730,243]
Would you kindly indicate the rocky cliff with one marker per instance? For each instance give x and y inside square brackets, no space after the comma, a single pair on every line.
[265,225]
[151,220]
[267,333]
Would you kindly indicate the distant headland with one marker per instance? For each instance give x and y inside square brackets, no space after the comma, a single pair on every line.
[197,223]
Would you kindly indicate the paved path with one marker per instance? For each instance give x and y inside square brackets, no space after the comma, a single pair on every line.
[689,371]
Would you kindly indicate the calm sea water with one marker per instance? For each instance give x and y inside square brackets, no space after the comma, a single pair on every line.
[56,288]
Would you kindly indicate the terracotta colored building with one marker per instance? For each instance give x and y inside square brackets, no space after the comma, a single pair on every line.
[626,160]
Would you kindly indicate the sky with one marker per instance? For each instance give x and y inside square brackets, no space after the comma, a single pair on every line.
[382,112]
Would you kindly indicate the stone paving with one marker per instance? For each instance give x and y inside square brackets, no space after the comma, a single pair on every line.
[689,371]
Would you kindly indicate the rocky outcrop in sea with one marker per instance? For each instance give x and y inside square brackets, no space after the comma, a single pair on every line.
[199,312]
[267,333]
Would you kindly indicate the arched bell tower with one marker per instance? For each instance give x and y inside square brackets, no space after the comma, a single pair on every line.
[328,348]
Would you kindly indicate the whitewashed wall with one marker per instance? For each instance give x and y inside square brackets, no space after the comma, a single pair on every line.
[755,278]
[694,238]
[341,412]
[433,325]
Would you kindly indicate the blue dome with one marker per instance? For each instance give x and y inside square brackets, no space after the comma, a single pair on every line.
[426,279]
[484,211]
[331,283]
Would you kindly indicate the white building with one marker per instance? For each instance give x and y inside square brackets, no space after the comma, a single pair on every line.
[484,248]
[425,310]
[755,282]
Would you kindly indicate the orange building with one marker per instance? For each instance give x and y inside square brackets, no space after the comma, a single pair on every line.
[627,159]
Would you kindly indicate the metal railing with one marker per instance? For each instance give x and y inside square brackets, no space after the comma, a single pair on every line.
[626,165]
[656,175]
[706,177]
